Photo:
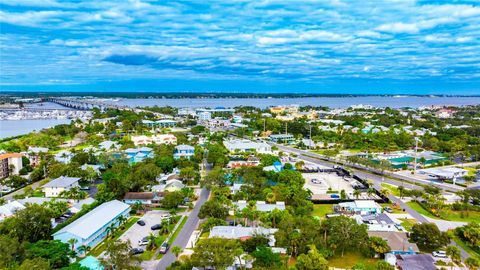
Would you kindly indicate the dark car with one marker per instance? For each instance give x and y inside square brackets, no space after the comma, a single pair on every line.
[156,227]
[135,251]
[164,248]
[141,223]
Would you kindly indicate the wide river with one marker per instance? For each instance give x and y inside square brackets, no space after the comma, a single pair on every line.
[333,102]
[19,127]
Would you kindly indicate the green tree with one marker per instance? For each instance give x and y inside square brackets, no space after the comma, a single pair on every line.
[10,251]
[176,250]
[57,254]
[213,208]
[428,236]
[118,256]
[214,178]
[35,264]
[265,258]
[344,233]
[378,245]
[30,224]
[313,260]
[72,242]
[172,200]
[454,253]
[383,265]
[215,252]
[472,263]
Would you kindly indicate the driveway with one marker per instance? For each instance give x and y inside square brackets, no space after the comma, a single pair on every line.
[137,232]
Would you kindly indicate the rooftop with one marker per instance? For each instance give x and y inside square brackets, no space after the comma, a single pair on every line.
[62,181]
[94,220]
[10,155]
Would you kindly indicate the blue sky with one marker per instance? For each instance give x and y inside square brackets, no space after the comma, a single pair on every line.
[330,46]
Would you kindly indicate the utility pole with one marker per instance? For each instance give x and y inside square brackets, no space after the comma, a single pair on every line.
[264,125]
[415,158]
[310,137]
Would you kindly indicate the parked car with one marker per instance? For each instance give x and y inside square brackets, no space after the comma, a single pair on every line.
[141,223]
[85,188]
[388,209]
[164,248]
[165,216]
[143,242]
[315,181]
[439,254]
[135,251]
[156,227]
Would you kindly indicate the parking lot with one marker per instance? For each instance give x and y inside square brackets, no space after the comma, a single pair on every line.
[137,232]
[325,180]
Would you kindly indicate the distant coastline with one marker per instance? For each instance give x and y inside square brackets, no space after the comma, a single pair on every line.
[180,95]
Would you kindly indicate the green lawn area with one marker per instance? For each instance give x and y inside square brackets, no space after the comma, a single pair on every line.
[101,247]
[471,171]
[396,209]
[320,210]
[408,223]
[350,259]
[447,214]
[393,189]
[465,246]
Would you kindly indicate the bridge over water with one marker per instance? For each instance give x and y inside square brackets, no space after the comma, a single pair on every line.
[84,104]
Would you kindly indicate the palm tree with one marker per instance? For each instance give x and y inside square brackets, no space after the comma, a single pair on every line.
[385,192]
[72,242]
[401,190]
[454,253]
[356,193]
[111,230]
[152,243]
[370,192]
[83,249]
[164,228]
[176,250]
[238,254]
[121,221]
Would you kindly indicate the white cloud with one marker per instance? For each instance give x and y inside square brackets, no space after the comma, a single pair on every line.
[397,28]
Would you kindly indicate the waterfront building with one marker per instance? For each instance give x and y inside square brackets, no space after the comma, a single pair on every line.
[93,227]
[10,164]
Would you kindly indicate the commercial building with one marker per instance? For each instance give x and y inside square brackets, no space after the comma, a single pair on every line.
[445,173]
[282,138]
[243,145]
[10,164]
[93,227]
[59,185]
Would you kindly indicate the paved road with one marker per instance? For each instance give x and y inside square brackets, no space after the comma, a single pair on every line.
[377,180]
[187,230]
[20,191]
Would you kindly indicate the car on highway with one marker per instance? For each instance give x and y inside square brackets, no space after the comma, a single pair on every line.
[164,248]
[439,254]
[136,251]
[156,227]
[388,209]
[141,223]
[143,241]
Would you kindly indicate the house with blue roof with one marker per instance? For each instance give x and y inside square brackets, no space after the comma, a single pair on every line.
[183,151]
[93,227]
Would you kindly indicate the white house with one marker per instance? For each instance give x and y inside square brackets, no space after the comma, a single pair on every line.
[183,151]
[237,232]
[9,209]
[64,156]
[242,145]
[91,228]
[164,139]
[57,186]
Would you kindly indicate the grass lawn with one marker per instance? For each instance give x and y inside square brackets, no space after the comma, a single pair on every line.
[465,246]
[393,189]
[320,210]
[101,247]
[396,209]
[447,214]
[408,223]
[350,259]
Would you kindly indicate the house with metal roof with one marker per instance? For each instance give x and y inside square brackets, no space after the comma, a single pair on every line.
[242,145]
[135,155]
[60,184]
[242,233]
[397,241]
[93,227]
[261,206]
[362,207]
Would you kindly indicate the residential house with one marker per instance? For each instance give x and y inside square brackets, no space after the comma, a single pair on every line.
[169,186]
[10,164]
[377,222]
[361,207]
[60,184]
[397,241]
[8,209]
[243,145]
[77,207]
[261,206]
[34,153]
[63,156]
[415,262]
[91,228]
[144,198]
[243,233]
[135,155]
[183,151]
[155,139]
[108,145]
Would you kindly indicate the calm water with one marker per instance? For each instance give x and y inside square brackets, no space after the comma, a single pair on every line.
[19,127]
[333,102]
[10,128]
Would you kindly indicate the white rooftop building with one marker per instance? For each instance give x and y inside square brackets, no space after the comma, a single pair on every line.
[262,206]
[60,184]
[91,228]
[237,232]
[242,145]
